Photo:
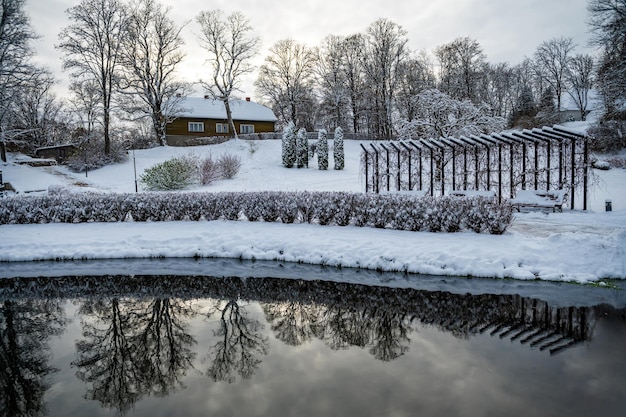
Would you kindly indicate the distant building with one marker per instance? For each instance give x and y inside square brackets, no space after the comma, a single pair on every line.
[205,117]
[570,111]
[58,152]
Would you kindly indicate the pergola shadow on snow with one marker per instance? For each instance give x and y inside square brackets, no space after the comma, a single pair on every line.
[550,158]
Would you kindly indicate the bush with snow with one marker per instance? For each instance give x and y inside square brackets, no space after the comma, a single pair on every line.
[302,149]
[289,145]
[400,212]
[209,170]
[322,150]
[229,165]
[174,174]
[338,152]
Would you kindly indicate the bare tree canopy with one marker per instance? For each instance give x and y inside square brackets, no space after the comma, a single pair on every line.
[286,80]
[16,70]
[580,79]
[231,47]
[150,56]
[385,49]
[551,59]
[608,25]
[92,48]
[462,63]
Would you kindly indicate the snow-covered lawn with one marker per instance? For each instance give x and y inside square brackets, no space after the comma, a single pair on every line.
[570,246]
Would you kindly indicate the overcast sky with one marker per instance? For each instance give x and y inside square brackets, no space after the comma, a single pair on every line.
[508,30]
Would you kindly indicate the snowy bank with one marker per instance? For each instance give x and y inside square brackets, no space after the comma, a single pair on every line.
[568,247]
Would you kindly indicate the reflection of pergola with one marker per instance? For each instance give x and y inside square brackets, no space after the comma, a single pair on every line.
[550,158]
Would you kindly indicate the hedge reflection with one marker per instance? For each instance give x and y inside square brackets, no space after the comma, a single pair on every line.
[26,327]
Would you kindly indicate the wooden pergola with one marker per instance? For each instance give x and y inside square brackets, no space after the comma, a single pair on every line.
[550,158]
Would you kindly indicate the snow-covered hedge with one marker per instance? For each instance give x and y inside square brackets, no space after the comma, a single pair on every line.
[400,212]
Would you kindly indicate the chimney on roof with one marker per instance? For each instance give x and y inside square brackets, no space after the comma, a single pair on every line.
[247,98]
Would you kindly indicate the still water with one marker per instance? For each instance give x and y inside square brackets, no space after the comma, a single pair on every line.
[199,345]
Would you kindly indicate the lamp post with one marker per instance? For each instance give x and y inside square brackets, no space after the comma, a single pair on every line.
[135,170]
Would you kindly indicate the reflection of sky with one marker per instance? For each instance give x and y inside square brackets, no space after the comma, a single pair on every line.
[439,375]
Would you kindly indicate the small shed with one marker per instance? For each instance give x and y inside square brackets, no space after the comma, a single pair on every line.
[204,117]
[58,152]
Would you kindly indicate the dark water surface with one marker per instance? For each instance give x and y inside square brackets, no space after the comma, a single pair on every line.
[182,344]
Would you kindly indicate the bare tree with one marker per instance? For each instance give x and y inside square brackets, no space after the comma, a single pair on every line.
[286,80]
[86,103]
[353,49]
[580,79]
[331,79]
[92,45]
[551,59]
[152,51]
[35,114]
[231,48]
[416,75]
[385,49]
[15,67]
[608,25]
[462,64]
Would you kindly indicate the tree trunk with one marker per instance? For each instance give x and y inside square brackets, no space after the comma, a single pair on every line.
[229,117]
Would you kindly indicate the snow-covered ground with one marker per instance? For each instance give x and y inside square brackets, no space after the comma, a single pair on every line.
[577,245]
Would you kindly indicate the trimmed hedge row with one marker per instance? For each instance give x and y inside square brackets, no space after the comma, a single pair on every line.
[400,212]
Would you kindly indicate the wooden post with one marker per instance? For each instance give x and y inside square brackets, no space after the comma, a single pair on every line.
[366,168]
[573,170]
[586,171]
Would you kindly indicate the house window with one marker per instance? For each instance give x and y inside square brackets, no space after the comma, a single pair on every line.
[246,129]
[196,126]
[221,128]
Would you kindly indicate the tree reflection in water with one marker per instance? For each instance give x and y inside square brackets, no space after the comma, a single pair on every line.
[239,346]
[132,348]
[135,338]
[26,326]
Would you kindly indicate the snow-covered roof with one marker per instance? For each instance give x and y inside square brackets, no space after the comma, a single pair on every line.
[214,109]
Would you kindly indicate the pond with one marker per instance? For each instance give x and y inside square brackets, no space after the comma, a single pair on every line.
[234,338]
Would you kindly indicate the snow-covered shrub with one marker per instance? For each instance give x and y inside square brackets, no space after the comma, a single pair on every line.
[360,216]
[498,218]
[229,205]
[174,174]
[474,218]
[338,152]
[90,155]
[306,207]
[344,208]
[252,206]
[271,206]
[325,207]
[401,212]
[229,164]
[289,208]
[289,145]
[209,170]
[302,149]
[322,150]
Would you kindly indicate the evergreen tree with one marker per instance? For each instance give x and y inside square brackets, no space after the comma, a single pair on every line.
[338,154]
[525,110]
[289,145]
[302,149]
[547,114]
[322,150]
